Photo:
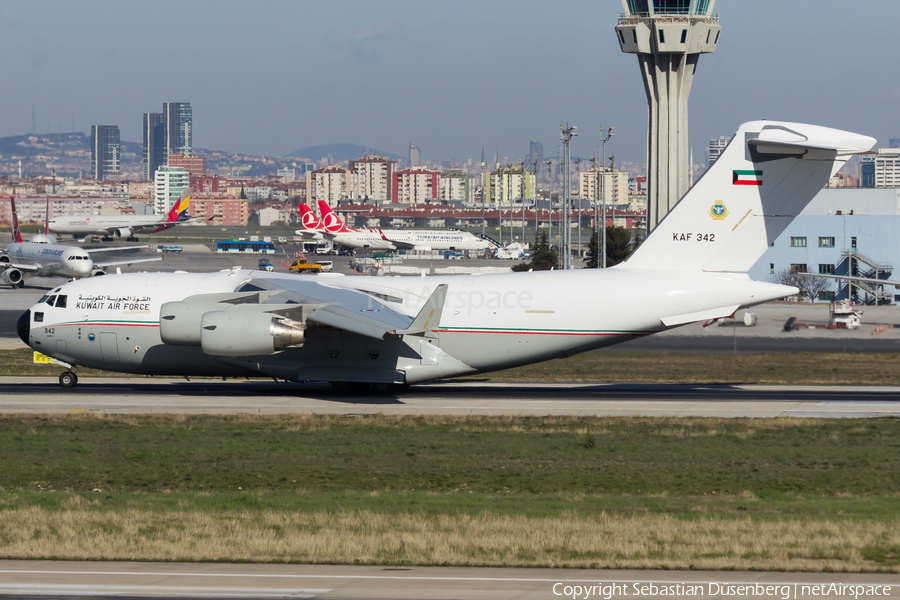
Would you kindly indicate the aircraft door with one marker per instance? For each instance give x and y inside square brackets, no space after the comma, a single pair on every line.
[109,347]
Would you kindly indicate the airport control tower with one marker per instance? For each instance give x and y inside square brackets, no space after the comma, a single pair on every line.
[668,36]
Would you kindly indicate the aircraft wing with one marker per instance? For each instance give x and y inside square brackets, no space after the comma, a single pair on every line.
[400,245]
[125,262]
[343,308]
[114,248]
[21,267]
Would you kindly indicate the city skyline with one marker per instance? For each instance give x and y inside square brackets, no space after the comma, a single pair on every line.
[380,75]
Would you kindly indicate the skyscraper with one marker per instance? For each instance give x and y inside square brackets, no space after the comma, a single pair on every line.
[179,123]
[415,158]
[168,132]
[154,154]
[535,154]
[668,37]
[104,152]
[715,148]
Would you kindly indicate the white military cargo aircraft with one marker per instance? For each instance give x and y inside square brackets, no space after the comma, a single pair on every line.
[397,331]
[41,256]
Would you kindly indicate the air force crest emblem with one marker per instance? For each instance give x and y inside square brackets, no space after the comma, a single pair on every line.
[718,211]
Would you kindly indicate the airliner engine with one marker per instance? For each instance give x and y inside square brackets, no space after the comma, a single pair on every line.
[222,329]
[11,276]
[123,232]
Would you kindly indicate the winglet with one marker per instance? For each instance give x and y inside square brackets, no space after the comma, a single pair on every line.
[430,315]
[17,233]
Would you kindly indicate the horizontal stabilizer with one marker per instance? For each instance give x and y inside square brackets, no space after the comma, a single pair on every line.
[114,248]
[703,315]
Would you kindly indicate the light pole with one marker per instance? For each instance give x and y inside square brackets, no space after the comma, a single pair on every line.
[595,251]
[549,164]
[609,134]
[578,180]
[482,191]
[566,135]
[534,166]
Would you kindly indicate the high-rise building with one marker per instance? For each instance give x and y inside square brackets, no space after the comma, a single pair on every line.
[415,157]
[612,185]
[668,37]
[195,165]
[154,149]
[535,155]
[330,184]
[880,170]
[168,182]
[715,148]
[894,143]
[456,186]
[179,124]
[415,185]
[370,179]
[104,152]
[510,184]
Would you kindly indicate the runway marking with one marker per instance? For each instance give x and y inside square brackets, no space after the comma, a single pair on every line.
[395,577]
[198,592]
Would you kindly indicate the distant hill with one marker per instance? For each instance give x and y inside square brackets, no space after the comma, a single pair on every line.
[339,152]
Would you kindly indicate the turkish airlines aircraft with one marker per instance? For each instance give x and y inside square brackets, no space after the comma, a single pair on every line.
[122,226]
[43,257]
[388,331]
[411,239]
[334,229]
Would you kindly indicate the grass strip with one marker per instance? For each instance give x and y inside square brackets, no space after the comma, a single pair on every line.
[635,367]
[624,492]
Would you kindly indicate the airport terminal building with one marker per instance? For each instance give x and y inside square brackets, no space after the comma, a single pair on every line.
[843,231]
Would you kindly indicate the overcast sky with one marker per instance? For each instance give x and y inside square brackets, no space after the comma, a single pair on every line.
[269,77]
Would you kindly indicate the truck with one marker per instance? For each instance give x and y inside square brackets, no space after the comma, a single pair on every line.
[265,265]
[301,265]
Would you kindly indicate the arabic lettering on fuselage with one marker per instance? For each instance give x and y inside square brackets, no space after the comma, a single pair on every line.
[107,302]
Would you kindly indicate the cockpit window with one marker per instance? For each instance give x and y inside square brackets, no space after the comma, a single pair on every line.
[61,301]
[43,298]
[52,301]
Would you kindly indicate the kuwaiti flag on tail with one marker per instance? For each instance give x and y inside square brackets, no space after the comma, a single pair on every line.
[747,178]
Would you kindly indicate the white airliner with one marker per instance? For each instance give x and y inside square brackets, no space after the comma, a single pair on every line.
[122,226]
[43,257]
[388,331]
[333,228]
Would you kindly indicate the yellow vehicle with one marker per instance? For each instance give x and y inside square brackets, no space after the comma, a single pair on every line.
[301,265]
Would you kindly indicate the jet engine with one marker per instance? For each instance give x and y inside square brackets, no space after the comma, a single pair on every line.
[10,276]
[237,333]
[4,258]
[97,272]
[123,232]
[179,322]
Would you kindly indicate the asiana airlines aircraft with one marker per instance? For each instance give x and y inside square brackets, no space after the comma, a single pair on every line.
[395,331]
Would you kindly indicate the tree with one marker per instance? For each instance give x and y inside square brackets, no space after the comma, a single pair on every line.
[618,247]
[543,258]
[810,286]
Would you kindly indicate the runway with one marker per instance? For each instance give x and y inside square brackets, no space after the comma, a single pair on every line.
[187,580]
[177,396]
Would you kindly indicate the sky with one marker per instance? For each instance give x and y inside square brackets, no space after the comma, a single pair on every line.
[270,77]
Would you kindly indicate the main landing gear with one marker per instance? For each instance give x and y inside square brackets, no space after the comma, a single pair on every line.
[68,379]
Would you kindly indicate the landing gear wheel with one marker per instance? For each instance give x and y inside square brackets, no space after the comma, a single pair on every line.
[21,284]
[68,379]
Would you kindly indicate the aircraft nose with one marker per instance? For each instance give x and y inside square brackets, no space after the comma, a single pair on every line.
[23,326]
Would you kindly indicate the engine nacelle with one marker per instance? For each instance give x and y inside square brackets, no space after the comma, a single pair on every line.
[123,232]
[179,322]
[4,257]
[10,276]
[238,333]
[97,272]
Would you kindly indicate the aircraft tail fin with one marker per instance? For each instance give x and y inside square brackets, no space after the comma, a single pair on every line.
[309,219]
[331,221]
[765,176]
[17,233]
[179,211]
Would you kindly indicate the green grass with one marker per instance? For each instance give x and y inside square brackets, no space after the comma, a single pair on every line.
[483,455]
